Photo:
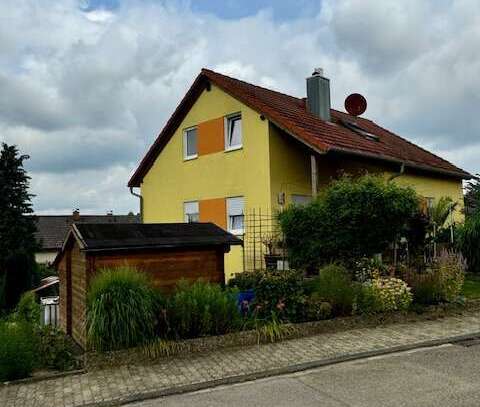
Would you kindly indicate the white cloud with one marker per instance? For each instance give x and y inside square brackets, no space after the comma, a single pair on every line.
[85,94]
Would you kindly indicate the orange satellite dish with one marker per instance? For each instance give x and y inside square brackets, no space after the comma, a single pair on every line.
[355,104]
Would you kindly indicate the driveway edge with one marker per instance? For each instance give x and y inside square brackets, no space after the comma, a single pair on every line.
[278,371]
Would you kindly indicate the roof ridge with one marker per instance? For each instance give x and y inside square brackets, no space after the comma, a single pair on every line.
[209,71]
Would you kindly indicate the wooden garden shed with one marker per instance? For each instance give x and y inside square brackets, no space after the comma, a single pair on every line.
[166,251]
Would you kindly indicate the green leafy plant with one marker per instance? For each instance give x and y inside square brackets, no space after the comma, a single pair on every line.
[334,285]
[120,309]
[56,350]
[317,309]
[468,240]
[368,268]
[280,292]
[202,309]
[350,219]
[28,309]
[247,280]
[18,350]
[450,268]
[272,329]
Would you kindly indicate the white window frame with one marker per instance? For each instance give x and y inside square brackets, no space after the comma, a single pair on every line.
[186,214]
[228,118]
[229,216]
[185,134]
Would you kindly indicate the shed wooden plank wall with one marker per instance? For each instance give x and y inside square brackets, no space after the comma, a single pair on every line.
[167,267]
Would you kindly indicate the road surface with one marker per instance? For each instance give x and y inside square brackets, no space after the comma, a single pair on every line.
[447,375]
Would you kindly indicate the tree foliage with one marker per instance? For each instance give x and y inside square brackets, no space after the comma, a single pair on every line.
[350,219]
[17,228]
[468,240]
[472,196]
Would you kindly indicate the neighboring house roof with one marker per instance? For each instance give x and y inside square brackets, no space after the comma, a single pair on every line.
[290,114]
[47,282]
[122,236]
[52,229]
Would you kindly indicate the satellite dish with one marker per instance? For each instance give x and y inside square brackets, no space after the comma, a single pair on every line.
[355,104]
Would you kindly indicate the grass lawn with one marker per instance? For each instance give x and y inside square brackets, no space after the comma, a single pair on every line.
[471,288]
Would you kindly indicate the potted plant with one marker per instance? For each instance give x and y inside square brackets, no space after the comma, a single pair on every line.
[271,256]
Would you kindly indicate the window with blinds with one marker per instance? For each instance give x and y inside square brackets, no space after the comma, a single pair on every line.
[235,215]
[191,211]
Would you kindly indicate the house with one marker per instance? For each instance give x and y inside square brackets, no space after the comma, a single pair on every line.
[52,229]
[232,147]
[167,252]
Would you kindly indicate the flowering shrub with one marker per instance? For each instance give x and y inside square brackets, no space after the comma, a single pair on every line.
[392,294]
[450,268]
[368,268]
[382,294]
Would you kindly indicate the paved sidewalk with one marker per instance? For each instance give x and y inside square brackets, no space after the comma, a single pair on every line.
[112,386]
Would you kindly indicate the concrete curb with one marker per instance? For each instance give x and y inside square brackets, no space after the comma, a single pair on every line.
[277,372]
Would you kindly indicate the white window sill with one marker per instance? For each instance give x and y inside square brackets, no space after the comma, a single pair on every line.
[238,232]
[233,148]
[190,157]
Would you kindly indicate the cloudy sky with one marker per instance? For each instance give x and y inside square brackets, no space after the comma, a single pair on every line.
[85,86]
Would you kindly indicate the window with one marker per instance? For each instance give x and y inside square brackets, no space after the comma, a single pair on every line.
[190,143]
[359,130]
[301,200]
[235,215]
[192,214]
[233,132]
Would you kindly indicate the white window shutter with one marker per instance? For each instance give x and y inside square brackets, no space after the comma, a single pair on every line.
[235,206]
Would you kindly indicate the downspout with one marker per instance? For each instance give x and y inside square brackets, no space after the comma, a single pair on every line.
[397,174]
[140,197]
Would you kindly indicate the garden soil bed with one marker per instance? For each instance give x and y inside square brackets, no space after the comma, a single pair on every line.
[184,348]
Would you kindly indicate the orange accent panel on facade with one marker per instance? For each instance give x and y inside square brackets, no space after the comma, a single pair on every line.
[214,210]
[211,136]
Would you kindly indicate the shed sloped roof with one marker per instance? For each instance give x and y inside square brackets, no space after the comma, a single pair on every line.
[290,114]
[101,237]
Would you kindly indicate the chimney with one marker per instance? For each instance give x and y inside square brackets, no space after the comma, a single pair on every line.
[318,95]
[76,215]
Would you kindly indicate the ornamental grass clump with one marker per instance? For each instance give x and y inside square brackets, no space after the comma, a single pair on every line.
[120,309]
[450,268]
[202,309]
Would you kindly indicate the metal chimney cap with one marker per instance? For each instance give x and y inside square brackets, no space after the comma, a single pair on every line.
[317,71]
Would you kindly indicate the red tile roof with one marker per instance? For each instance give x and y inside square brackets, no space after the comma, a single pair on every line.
[290,114]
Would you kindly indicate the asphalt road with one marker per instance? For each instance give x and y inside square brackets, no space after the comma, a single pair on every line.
[448,375]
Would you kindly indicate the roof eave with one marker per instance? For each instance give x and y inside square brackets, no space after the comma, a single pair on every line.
[409,164]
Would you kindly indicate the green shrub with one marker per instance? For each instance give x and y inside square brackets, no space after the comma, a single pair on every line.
[450,268]
[55,349]
[334,285]
[317,309]
[366,301]
[18,350]
[280,292]
[468,238]
[28,309]
[350,219]
[202,309]
[120,309]
[245,281]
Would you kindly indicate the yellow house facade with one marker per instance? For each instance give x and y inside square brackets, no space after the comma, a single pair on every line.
[231,147]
